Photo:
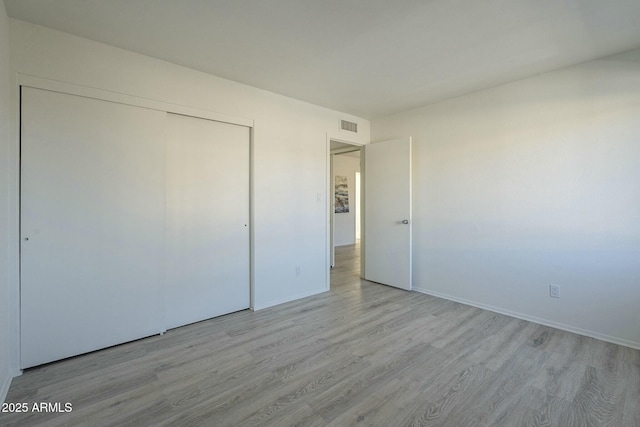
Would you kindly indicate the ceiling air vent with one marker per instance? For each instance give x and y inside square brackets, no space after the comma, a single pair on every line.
[348,126]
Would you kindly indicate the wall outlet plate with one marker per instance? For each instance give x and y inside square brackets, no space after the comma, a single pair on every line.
[554,291]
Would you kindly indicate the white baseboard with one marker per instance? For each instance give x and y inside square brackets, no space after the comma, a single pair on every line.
[288,299]
[4,388]
[533,319]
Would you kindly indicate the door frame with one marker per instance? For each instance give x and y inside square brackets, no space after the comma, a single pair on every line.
[330,210]
[18,81]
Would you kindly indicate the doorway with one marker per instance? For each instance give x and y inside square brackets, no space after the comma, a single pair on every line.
[345,209]
[386,222]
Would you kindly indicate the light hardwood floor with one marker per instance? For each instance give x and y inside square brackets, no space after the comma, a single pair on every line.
[362,354]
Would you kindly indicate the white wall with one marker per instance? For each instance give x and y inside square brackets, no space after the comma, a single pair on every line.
[290,170]
[530,184]
[5,335]
[344,232]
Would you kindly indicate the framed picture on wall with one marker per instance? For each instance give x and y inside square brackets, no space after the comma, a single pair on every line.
[341,194]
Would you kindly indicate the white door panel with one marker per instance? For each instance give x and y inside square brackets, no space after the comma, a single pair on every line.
[387,225]
[92,224]
[207,219]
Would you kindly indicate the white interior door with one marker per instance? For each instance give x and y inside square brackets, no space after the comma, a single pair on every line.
[92,224]
[207,219]
[387,225]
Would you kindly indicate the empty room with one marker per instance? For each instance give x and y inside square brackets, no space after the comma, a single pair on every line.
[312,213]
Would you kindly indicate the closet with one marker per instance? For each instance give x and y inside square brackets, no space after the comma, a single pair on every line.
[133,220]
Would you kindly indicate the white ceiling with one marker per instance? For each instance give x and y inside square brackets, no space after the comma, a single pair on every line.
[369,58]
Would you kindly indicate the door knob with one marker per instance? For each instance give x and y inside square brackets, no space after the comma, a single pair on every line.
[405,221]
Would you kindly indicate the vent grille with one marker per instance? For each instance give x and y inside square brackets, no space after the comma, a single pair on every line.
[349,126]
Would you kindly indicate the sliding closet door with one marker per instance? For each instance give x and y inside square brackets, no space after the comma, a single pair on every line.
[92,224]
[207,219]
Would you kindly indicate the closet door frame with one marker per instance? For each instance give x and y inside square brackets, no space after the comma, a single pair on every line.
[24,80]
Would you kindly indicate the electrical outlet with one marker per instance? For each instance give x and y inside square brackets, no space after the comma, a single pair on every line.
[554,291]
[297,270]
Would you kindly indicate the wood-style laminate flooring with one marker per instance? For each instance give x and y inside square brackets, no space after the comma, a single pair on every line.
[361,354]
